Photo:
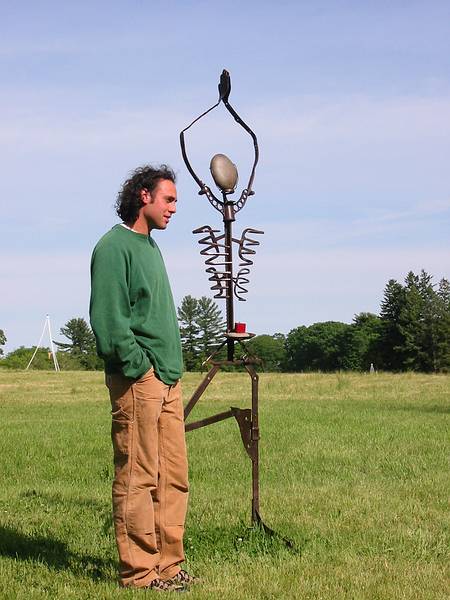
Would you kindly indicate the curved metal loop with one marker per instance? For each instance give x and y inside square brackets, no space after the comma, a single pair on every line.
[224,93]
[204,189]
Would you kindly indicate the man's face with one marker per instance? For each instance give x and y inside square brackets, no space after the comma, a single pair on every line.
[160,205]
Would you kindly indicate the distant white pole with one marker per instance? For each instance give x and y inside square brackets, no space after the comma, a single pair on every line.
[52,348]
[38,346]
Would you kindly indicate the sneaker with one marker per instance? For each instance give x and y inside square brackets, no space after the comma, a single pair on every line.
[183,578]
[159,585]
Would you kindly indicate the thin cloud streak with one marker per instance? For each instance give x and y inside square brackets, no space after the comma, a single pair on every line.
[316,121]
[378,229]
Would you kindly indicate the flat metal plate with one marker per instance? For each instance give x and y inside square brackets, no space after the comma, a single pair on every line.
[240,336]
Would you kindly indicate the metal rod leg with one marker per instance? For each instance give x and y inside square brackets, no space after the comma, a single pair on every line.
[255,486]
[254,436]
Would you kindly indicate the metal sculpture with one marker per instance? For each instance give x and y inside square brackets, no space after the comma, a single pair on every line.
[217,248]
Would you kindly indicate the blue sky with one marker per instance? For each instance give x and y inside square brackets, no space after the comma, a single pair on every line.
[351,105]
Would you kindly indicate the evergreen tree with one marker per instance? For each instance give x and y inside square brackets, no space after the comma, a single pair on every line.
[360,343]
[442,327]
[189,332]
[392,339]
[82,343]
[416,327]
[201,329]
[2,341]
[211,326]
[411,324]
[428,326]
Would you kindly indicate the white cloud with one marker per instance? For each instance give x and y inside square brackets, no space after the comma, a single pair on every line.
[342,119]
[308,268]
[301,121]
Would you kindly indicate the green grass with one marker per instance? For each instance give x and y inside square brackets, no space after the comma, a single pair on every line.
[354,470]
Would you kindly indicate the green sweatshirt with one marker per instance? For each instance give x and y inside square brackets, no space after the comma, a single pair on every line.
[132,311]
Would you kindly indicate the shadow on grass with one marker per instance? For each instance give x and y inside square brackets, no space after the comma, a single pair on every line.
[212,540]
[58,500]
[54,553]
[232,543]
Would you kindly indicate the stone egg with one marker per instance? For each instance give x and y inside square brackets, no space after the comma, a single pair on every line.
[224,173]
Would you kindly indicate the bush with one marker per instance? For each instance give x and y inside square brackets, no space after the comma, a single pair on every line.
[19,359]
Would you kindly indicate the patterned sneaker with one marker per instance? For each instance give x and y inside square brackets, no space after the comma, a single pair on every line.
[183,578]
[159,585]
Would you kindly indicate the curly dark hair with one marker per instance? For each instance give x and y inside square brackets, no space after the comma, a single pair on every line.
[129,201]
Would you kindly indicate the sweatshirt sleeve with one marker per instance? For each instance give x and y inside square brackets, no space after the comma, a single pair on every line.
[110,312]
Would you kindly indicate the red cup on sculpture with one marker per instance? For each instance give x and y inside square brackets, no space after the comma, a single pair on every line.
[239,327]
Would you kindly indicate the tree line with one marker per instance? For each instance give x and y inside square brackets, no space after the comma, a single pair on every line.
[78,354]
[411,333]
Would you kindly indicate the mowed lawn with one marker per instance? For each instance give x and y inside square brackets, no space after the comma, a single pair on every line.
[354,470]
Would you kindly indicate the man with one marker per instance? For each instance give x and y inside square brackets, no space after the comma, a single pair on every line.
[134,321]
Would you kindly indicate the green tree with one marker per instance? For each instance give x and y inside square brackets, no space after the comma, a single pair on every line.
[201,329]
[20,357]
[270,349]
[2,341]
[211,326]
[189,332]
[442,327]
[359,344]
[73,362]
[392,338]
[317,347]
[411,324]
[82,343]
[428,324]
[79,333]
[415,318]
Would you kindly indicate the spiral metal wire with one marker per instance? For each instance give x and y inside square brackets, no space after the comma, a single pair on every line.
[219,268]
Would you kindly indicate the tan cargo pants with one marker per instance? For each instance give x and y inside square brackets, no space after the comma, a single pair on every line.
[150,487]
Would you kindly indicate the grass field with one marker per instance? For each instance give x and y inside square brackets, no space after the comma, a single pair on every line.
[354,470]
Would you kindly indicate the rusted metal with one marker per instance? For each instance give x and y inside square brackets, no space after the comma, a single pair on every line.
[217,248]
[228,218]
[235,363]
[219,261]
[245,243]
[254,437]
[247,420]
[199,391]
[209,420]
[243,417]
[224,93]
